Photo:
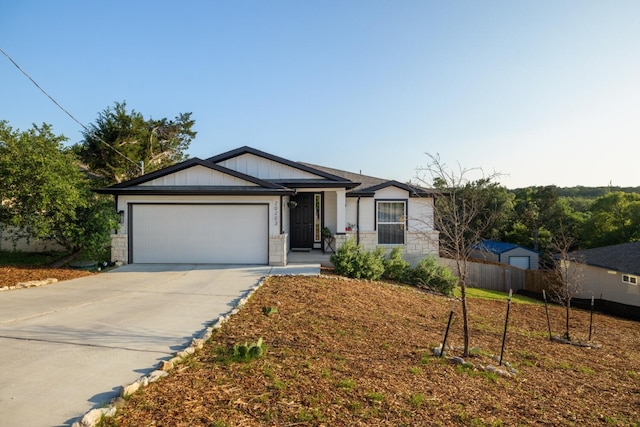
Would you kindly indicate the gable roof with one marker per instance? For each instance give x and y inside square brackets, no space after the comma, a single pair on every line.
[624,257]
[133,186]
[497,248]
[325,177]
[357,185]
[368,185]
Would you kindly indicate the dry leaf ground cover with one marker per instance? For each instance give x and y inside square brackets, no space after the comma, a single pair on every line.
[12,275]
[354,353]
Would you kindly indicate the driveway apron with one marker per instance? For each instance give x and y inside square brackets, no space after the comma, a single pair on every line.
[67,348]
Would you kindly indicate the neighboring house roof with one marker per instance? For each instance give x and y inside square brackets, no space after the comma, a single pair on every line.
[624,257]
[496,247]
[368,185]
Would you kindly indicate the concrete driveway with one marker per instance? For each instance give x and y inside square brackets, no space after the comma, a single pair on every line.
[66,348]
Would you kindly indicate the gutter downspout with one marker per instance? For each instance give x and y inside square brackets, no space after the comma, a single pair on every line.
[281,214]
[116,203]
[358,221]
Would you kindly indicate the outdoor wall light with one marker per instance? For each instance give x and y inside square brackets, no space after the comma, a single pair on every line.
[121,218]
[292,204]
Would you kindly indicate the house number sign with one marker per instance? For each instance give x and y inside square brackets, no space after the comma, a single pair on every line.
[275,213]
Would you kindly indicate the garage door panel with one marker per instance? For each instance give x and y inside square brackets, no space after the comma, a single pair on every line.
[217,234]
[523,262]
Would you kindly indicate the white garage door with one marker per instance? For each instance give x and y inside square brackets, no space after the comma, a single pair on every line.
[520,262]
[200,234]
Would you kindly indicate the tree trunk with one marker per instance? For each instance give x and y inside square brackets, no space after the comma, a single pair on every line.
[64,260]
[567,309]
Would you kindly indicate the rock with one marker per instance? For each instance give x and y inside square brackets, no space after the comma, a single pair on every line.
[197,343]
[91,418]
[128,390]
[457,360]
[118,402]
[165,365]
[186,352]
[156,375]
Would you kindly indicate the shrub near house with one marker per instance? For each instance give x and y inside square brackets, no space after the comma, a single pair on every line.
[352,261]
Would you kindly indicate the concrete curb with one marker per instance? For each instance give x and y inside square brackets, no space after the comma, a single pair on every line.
[93,417]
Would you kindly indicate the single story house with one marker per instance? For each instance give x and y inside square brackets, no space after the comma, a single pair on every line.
[507,253]
[246,206]
[611,273]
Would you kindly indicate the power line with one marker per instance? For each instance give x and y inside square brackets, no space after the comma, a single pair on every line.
[67,112]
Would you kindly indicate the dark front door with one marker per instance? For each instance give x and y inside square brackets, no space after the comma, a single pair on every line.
[302,221]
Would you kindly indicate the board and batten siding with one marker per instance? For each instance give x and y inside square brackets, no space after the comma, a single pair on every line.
[262,168]
[198,175]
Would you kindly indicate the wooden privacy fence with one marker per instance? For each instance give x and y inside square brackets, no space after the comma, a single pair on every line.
[502,277]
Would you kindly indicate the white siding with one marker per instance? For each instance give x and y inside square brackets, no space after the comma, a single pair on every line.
[392,193]
[598,281]
[198,175]
[330,210]
[264,168]
[420,212]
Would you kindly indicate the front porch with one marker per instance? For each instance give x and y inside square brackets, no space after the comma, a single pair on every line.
[313,256]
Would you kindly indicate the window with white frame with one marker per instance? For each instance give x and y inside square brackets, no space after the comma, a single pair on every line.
[626,278]
[390,221]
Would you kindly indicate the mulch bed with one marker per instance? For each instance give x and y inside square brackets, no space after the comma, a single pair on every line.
[10,276]
[356,353]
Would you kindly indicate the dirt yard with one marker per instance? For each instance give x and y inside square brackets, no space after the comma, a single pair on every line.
[10,276]
[354,353]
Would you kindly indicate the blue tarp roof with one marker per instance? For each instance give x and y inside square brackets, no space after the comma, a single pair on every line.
[496,247]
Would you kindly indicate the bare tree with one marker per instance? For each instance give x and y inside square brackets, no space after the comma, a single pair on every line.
[569,273]
[465,209]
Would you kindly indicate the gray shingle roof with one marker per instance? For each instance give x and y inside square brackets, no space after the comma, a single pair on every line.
[368,184]
[624,257]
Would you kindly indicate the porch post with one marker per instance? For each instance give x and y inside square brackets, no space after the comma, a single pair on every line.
[341,210]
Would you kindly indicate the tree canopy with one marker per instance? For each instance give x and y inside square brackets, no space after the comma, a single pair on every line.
[45,194]
[120,144]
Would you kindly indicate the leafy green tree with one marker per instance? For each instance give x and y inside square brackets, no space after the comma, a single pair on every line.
[45,195]
[615,218]
[121,143]
[535,207]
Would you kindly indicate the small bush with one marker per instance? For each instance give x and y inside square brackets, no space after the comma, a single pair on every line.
[344,260]
[428,273]
[351,261]
[396,268]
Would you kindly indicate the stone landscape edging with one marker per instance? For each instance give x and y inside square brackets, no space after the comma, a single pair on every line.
[93,417]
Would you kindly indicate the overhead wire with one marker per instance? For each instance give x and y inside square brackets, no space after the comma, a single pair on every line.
[89,131]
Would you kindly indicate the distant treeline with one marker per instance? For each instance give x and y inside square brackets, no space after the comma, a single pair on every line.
[588,192]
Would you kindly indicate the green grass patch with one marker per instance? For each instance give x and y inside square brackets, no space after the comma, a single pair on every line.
[375,396]
[346,384]
[489,294]
[416,400]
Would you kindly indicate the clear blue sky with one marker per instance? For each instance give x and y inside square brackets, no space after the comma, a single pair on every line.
[545,92]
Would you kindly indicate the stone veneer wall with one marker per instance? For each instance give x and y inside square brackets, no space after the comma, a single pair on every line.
[119,248]
[278,250]
[419,244]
